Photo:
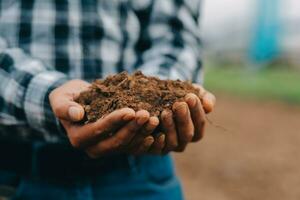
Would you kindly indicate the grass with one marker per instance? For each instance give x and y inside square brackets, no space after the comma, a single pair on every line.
[278,84]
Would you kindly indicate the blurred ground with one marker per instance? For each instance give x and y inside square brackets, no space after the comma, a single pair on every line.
[257,158]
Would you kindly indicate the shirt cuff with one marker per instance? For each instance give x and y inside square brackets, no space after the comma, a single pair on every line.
[38,112]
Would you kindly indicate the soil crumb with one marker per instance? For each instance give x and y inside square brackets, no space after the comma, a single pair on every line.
[135,91]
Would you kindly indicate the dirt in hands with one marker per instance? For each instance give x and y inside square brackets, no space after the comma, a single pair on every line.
[135,91]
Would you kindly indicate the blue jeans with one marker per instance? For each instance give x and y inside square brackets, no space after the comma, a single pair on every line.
[134,178]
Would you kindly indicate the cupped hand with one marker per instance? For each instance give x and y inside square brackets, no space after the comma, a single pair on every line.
[122,131]
[186,121]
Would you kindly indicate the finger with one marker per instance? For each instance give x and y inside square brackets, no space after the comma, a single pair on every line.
[120,140]
[146,130]
[201,90]
[208,99]
[67,109]
[150,126]
[132,128]
[63,103]
[81,136]
[169,128]
[183,121]
[197,114]
[144,146]
[208,102]
[142,116]
[158,145]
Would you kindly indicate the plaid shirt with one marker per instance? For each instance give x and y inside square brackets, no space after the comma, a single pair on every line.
[44,43]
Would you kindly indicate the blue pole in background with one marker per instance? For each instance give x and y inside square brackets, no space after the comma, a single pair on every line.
[264,46]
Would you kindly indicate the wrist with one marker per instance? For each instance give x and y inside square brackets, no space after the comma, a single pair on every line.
[37,108]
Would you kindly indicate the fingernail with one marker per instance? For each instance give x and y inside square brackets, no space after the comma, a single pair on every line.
[141,121]
[168,119]
[192,101]
[75,113]
[212,99]
[208,103]
[128,117]
[154,121]
[181,109]
[148,141]
[162,138]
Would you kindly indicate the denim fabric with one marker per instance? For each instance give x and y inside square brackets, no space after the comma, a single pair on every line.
[144,177]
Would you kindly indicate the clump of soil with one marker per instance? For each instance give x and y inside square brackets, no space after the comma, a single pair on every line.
[135,91]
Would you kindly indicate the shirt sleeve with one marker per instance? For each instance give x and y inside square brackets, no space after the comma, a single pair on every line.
[169,44]
[25,85]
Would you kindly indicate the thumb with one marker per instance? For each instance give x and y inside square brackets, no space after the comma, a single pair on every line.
[75,113]
[62,100]
[68,110]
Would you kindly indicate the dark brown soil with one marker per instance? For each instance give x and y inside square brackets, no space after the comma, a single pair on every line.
[135,91]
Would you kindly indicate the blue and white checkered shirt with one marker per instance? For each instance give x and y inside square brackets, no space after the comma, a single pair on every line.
[44,43]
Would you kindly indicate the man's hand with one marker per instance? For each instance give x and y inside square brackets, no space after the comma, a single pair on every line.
[186,122]
[116,132]
[127,131]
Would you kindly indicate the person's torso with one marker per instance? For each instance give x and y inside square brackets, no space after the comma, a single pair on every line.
[85,39]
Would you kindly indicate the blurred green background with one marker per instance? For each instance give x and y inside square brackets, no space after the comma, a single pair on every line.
[251,56]
[271,83]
